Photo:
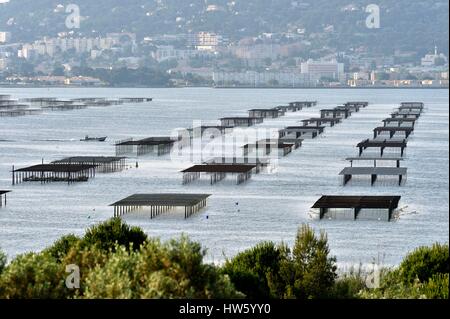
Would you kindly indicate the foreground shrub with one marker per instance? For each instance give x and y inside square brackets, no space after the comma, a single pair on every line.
[256,271]
[269,271]
[424,262]
[2,261]
[349,286]
[170,270]
[106,235]
[33,276]
[422,274]
[312,272]
[436,287]
[61,247]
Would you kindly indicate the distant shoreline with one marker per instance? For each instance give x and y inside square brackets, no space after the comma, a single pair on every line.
[220,87]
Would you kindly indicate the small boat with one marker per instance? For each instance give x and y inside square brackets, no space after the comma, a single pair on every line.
[93,139]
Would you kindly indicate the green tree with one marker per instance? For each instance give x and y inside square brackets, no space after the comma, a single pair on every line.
[174,269]
[107,234]
[290,62]
[256,271]
[312,272]
[382,76]
[423,273]
[424,262]
[33,276]
[58,71]
[267,61]
[439,61]
[61,247]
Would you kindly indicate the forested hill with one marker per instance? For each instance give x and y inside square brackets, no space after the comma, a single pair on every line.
[405,24]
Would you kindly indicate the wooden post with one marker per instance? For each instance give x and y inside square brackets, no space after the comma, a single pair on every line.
[373,178]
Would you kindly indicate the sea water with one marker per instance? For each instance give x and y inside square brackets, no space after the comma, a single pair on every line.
[269,207]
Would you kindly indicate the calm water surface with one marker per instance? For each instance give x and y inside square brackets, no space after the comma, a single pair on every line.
[271,206]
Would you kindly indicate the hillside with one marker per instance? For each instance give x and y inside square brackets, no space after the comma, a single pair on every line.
[407,25]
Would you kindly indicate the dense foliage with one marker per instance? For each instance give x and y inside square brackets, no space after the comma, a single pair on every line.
[424,262]
[424,273]
[408,25]
[257,272]
[119,261]
[141,77]
[270,271]
[116,261]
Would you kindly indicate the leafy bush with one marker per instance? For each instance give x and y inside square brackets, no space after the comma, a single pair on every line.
[255,272]
[119,261]
[170,270]
[347,287]
[436,287]
[106,235]
[269,271]
[424,262]
[33,276]
[61,247]
[396,284]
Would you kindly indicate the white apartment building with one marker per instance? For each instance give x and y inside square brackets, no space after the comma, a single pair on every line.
[430,59]
[258,79]
[169,52]
[205,41]
[323,69]
[5,37]
[49,46]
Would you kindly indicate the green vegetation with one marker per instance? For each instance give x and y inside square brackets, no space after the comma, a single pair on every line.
[119,261]
[2,261]
[405,25]
[256,272]
[422,274]
[141,77]
[269,271]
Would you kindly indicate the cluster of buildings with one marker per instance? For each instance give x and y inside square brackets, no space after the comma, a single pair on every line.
[52,46]
[311,74]
[264,61]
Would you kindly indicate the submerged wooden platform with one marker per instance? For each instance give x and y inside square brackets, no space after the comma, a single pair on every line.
[3,196]
[301,131]
[46,173]
[318,121]
[160,203]
[374,173]
[218,172]
[337,112]
[286,145]
[375,160]
[399,122]
[392,131]
[356,204]
[241,121]
[158,145]
[265,113]
[382,145]
[104,164]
